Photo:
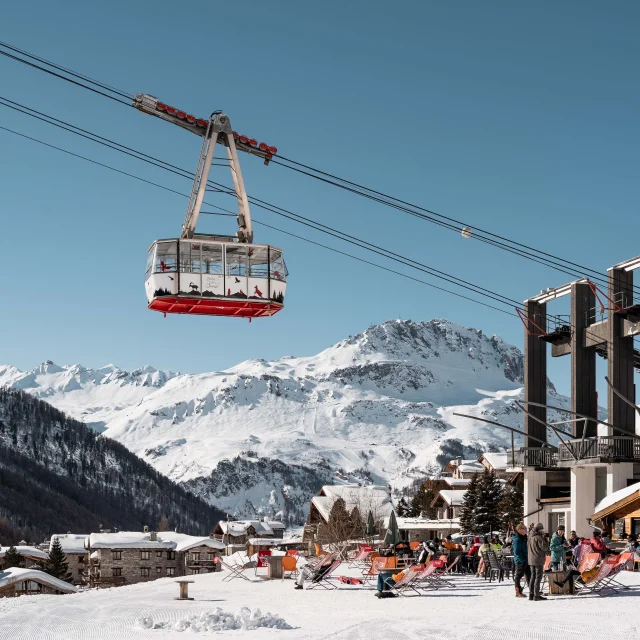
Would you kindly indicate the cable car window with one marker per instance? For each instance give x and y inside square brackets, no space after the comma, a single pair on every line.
[236,260]
[149,266]
[195,257]
[277,268]
[165,259]
[185,256]
[258,262]
[212,258]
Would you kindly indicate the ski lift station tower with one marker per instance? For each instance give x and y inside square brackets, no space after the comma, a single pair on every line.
[592,455]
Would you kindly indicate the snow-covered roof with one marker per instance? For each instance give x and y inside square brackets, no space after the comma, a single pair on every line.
[457,483]
[16,574]
[270,542]
[137,540]
[27,552]
[374,498]
[470,466]
[497,461]
[239,527]
[616,496]
[453,497]
[427,523]
[70,542]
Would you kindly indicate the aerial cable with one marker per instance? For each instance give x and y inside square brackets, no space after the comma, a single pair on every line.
[460,224]
[75,74]
[363,189]
[184,195]
[57,75]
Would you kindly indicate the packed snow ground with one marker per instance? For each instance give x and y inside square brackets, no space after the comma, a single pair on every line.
[474,610]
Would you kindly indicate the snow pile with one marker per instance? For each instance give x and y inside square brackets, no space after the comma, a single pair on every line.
[218,620]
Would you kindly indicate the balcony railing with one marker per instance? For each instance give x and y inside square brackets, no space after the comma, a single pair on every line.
[544,457]
[601,447]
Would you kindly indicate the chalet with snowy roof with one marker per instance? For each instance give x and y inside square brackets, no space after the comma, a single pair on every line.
[73,546]
[32,556]
[619,513]
[500,463]
[128,557]
[239,532]
[463,469]
[18,581]
[448,503]
[372,498]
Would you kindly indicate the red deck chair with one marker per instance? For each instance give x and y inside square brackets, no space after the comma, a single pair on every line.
[263,559]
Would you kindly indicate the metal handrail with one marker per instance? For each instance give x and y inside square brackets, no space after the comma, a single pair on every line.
[606,447]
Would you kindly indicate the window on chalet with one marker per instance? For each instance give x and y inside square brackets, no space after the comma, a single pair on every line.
[158,570]
[144,572]
[158,554]
[116,572]
[145,555]
[171,571]
[116,555]
[195,557]
[211,556]
[171,555]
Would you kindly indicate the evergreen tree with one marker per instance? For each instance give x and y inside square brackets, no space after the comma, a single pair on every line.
[512,505]
[56,564]
[12,558]
[487,509]
[357,526]
[339,523]
[403,509]
[468,511]
[421,504]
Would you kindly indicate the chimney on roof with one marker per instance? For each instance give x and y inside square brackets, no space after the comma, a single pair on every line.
[145,529]
[153,536]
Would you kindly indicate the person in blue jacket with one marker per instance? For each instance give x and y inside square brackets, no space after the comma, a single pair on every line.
[520,558]
[557,548]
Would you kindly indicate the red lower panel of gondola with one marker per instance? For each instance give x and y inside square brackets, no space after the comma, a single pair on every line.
[215,307]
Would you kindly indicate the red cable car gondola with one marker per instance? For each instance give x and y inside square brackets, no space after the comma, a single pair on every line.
[203,274]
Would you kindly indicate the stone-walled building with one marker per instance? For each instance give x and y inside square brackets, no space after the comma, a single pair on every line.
[128,557]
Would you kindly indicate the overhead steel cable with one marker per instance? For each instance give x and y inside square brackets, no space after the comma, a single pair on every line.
[264,224]
[71,80]
[72,73]
[460,225]
[517,248]
[280,211]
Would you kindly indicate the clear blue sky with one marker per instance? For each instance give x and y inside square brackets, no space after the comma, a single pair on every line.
[517,117]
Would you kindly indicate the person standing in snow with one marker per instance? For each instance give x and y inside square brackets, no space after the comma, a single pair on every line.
[537,549]
[558,547]
[520,558]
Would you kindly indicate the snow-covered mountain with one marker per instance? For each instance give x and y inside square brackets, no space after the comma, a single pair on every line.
[377,405]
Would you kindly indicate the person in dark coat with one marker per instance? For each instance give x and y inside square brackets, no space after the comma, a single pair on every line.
[537,549]
[520,558]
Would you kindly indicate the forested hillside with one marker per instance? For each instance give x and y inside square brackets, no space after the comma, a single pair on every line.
[57,475]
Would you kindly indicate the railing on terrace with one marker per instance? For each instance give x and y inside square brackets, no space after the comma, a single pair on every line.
[603,447]
[536,457]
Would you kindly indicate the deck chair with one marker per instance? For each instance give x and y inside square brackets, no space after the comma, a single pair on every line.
[322,580]
[431,577]
[405,585]
[439,577]
[604,579]
[234,569]
[377,564]
[361,556]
